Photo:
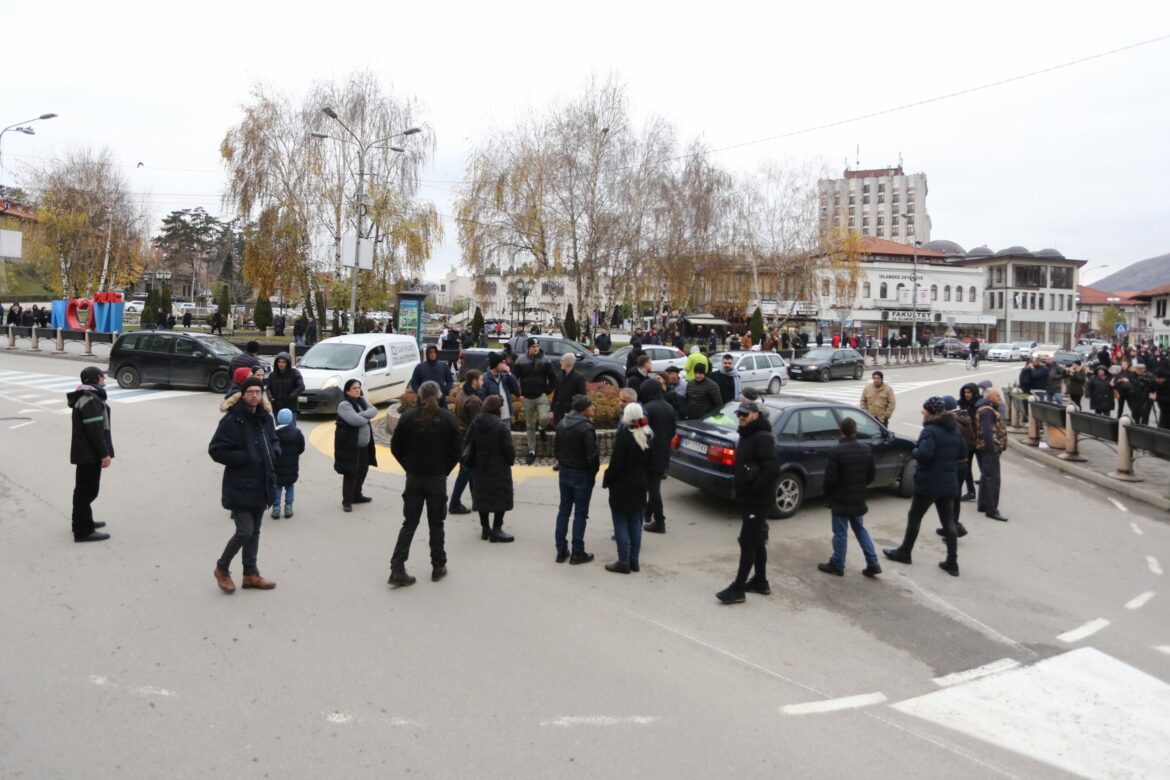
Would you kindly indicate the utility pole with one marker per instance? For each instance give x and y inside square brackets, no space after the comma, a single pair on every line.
[914,281]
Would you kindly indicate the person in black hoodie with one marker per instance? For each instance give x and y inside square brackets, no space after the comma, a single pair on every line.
[939,450]
[663,421]
[285,384]
[491,442]
[849,469]
[245,443]
[433,370]
[426,442]
[756,470]
[90,450]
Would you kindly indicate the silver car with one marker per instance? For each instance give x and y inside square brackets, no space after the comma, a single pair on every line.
[662,356]
[764,371]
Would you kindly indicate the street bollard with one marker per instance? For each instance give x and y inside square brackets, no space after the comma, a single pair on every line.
[12,337]
[36,342]
[60,347]
[1071,453]
[1033,439]
[292,354]
[1124,453]
[88,342]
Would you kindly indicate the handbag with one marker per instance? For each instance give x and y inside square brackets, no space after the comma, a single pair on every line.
[467,459]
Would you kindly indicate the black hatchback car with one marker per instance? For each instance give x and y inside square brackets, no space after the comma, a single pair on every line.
[703,451]
[165,357]
[825,363]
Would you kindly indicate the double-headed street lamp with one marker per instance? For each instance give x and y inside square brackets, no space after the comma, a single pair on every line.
[363,149]
[20,127]
[914,284]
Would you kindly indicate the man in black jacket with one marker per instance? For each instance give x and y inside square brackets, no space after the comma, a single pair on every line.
[577,456]
[91,450]
[703,396]
[245,443]
[572,384]
[756,470]
[847,472]
[662,420]
[249,358]
[636,375]
[285,384]
[537,380]
[603,342]
[426,442]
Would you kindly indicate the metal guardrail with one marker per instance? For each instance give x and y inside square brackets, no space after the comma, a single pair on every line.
[1123,432]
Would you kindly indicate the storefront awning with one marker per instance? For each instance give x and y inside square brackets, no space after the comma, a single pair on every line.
[708,321]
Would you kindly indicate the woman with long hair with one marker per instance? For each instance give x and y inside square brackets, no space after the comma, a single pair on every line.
[1124,382]
[490,438]
[353,444]
[627,479]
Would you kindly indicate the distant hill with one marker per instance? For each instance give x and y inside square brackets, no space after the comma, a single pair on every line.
[1142,275]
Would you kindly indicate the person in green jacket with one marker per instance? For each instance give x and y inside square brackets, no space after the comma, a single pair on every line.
[695,357]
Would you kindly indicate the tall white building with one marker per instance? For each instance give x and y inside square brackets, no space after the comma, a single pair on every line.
[883,202]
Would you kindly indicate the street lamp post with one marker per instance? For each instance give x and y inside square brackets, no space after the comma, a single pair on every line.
[363,150]
[20,127]
[914,285]
[525,288]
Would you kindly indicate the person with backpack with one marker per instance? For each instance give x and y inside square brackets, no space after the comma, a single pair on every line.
[288,462]
[990,441]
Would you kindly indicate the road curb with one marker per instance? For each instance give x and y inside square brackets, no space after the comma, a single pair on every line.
[1130,489]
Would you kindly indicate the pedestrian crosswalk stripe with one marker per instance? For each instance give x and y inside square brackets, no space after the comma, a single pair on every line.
[58,385]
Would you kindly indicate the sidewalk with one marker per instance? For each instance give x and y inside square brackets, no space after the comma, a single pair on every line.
[1101,463]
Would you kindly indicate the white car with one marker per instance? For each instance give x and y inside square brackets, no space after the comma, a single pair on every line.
[1003,352]
[661,357]
[1025,348]
[765,371]
[134,307]
[1044,350]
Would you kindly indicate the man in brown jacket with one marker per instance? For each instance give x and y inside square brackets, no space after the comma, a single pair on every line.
[878,399]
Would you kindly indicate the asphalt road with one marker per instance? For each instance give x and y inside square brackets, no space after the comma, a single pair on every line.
[1047,658]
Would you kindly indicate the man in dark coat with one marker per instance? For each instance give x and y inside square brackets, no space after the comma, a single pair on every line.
[571,385]
[756,469]
[638,373]
[537,379]
[849,469]
[285,384]
[245,444]
[703,396]
[426,442]
[579,462]
[249,358]
[936,481]
[728,379]
[91,450]
[187,320]
[490,439]
[989,423]
[433,370]
[663,420]
[603,341]
[635,352]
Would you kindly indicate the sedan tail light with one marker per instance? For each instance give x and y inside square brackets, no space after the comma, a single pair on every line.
[722,455]
[674,441]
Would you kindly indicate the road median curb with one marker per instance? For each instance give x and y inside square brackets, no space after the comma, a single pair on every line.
[1048,457]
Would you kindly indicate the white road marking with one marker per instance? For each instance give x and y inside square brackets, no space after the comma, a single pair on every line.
[995,667]
[1137,602]
[1152,562]
[21,425]
[1084,712]
[1116,503]
[1069,476]
[599,720]
[1163,649]
[834,705]
[1136,528]
[1081,632]
[338,717]
[30,411]
[50,401]
[26,397]
[1036,463]
[99,679]
[149,690]
[912,425]
[156,396]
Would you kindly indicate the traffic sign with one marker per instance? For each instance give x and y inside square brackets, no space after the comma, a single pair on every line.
[1121,328]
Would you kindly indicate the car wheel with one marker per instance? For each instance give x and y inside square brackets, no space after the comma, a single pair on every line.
[610,380]
[825,375]
[857,373]
[906,479]
[218,382]
[128,378]
[789,496]
[774,386]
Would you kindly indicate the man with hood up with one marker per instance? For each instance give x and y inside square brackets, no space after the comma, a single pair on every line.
[433,370]
[91,450]
[288,462]
[285,384]
[245,444]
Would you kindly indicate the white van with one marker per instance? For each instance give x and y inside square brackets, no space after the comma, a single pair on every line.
[382,362]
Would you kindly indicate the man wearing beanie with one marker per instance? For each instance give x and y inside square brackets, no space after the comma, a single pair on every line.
[433,370]
[577,456]
[245,443]
[90,450]
[248,359]
[936,481]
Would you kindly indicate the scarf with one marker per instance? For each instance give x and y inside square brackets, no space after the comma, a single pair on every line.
[359,404]
[100,392]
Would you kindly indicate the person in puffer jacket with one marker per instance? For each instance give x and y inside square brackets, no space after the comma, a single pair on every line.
[288,463]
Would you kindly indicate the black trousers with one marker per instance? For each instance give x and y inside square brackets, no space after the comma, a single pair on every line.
[352,481]
[945,506]
[654,508]
[1140,404]
[85,492]
[430,491]
[753,546]
[989,481]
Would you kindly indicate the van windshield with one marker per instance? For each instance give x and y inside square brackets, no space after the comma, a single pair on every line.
[220,346]
[332,357]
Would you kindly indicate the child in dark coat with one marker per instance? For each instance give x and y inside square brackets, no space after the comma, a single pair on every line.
[287,465]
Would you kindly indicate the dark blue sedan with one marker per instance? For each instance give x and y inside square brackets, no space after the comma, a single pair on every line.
[703,451]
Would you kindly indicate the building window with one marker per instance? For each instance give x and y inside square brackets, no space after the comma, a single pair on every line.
[881,232]
[864,199]
[959,294]
[882,291]
[865,188]
[852,210]
[852,199]
[881,198]
[898,291]
[865,290]
[1000,300]
[971,295]
[910,208]
[1060,300]
[881,187]
[1062,278]
[895,231]
[934,292]
[1041,296]
[947,294]
[894,197]
[1052,302]
[894,220]
[824,288]
[1028,275]
[881,220]
[1032,301]
[999,274]
[836,200]
[865,221]
[1070,302]
[852,222]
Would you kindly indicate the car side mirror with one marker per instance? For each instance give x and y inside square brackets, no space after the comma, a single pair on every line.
[580,355]
[197,354]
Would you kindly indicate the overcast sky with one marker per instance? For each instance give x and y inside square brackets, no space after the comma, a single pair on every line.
[1075,159]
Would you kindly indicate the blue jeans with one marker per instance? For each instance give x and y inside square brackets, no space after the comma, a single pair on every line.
[289,494]
[627,529]
[841,525]
[576,490]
